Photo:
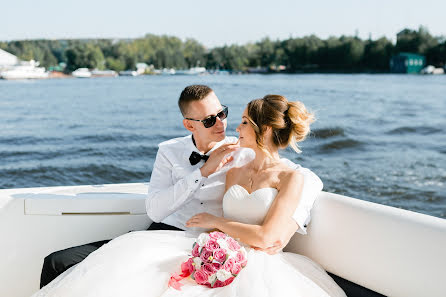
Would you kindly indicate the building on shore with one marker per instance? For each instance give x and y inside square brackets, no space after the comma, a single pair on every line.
[7,60]
[12,68]
[407,63]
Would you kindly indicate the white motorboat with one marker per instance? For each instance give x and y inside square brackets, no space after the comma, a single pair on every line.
[103,73]
[432,70]
[24,70]
[384,249]
[128,73]
[192,71]
[168,71]
[81,73]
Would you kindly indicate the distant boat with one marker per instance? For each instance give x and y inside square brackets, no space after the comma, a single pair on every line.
[103,73]
[432,70]
[168,71]
[25,70]
[128,73]
[82,73]
[192,71]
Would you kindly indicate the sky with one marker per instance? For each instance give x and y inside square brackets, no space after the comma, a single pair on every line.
[216,23]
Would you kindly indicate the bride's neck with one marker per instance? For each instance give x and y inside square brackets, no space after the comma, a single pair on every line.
[264,160]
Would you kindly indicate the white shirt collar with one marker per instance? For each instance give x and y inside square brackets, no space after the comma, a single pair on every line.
[189,146]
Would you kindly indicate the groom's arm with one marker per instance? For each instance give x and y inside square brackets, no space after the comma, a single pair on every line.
[166,196]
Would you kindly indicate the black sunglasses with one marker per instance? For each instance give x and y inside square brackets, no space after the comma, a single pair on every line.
[210,121]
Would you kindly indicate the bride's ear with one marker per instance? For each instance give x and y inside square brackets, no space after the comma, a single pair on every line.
[267,132]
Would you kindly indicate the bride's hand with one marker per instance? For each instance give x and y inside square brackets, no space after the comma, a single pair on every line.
[203,220]
[274,249]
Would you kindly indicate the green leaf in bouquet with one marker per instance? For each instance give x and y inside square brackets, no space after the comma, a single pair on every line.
[213,282]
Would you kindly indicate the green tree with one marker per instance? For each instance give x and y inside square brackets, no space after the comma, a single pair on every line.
[194,53]
[377,54]
[86,55]
[302,53]
[115,64]
[415,41]
[437,55]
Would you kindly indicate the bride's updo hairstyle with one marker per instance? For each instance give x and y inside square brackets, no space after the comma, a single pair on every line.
[290,121]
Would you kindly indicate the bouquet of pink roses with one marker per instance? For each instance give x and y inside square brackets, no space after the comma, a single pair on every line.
[216,260]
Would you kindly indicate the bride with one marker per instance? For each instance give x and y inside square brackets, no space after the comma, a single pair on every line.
[258,207]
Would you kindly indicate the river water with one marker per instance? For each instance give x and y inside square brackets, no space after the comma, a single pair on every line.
[380,138]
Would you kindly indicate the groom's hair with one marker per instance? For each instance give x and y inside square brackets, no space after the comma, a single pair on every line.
[192,93]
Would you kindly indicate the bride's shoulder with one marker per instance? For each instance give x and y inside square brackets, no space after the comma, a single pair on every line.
[289,177]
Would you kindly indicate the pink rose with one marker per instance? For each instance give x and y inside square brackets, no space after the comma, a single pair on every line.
[212,245]
[208,268]
[240,258]
[187,268]
[201,277]
[220,255]
[232,244]
[196,250]
[216,265]
[218,284]
[228,281]
[206,256]
[216,235]
[229,264]
[236,268]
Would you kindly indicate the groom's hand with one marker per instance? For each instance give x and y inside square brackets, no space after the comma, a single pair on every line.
[203,220]
[218,158]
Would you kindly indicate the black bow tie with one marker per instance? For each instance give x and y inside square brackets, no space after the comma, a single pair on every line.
[196,157]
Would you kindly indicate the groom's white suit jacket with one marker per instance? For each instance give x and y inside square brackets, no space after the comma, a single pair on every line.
[178,191]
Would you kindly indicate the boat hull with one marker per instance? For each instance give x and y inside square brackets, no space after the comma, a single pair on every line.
[387,250]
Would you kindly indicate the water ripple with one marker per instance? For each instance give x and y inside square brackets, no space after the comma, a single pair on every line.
[327,132]
[422,130]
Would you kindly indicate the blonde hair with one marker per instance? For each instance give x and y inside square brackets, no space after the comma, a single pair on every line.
[290,121]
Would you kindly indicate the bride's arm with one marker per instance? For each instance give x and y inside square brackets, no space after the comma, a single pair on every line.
[278,225]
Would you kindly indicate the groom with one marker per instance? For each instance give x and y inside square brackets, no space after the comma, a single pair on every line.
[188,177]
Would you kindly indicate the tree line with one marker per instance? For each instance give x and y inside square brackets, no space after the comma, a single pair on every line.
[305,54]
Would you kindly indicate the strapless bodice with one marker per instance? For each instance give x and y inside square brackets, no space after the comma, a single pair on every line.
[250,208]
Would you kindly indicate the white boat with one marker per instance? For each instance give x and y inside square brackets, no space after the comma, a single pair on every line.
[24,70]
[128,73]
[432,70]
[168,71]
[192,71]
[81,73]
[103,73]
[387,250]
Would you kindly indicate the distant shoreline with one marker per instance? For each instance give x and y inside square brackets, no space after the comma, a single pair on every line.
[309,54]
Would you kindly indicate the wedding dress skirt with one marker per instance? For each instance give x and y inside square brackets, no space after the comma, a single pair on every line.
[139,264]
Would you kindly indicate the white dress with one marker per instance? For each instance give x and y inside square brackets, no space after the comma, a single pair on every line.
[141,263]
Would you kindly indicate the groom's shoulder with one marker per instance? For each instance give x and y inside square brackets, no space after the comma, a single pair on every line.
[175,142]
